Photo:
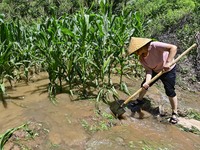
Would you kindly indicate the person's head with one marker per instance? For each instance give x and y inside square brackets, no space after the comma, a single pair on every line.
[143,51]
[139,46]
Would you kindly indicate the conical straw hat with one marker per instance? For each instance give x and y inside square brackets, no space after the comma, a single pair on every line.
[136,43]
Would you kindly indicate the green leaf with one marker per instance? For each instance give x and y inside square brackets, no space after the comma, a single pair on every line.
[124,88]
[2,88]
[67,32]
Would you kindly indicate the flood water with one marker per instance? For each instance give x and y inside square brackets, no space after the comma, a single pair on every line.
[64,121]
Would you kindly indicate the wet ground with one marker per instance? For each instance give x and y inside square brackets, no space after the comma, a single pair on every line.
[84,125]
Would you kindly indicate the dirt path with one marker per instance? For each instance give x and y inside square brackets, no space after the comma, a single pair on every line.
[77,125]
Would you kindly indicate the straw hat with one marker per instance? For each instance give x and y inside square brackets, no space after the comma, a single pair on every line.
[136,43]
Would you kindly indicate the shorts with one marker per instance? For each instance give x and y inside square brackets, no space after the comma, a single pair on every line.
[168,79]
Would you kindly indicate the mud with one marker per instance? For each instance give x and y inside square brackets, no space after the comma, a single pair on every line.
[76,124]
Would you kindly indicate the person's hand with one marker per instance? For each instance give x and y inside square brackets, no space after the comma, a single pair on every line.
[145,86]
[166,66]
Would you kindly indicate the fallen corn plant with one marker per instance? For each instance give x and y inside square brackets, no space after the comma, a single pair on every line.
[5,137]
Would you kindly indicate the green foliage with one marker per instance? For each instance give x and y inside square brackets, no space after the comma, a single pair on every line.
[5,137]
[162,14]
[194,114]
[81,47]
[101,122]
[190,28]
[34,8]
[28,131]
[192,129]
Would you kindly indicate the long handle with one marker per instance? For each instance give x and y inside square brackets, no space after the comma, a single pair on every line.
[161,72]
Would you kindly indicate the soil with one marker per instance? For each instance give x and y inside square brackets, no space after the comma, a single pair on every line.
[85,124]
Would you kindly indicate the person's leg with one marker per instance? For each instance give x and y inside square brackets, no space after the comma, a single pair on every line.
[174,103]
[135,105]
[168,80]
[144,91]
[141,94]
[140,98]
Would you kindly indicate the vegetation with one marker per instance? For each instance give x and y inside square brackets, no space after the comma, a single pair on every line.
[80,49]
[5,137]
[101,122]
[18,135]
[193,114]
[82,43]
[164,14]
[193,129]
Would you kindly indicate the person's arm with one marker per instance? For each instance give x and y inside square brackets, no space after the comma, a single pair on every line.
[172,49]
[148,78]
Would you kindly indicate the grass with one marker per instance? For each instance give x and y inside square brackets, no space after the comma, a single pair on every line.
[100,122]
[192,129]
[193,114]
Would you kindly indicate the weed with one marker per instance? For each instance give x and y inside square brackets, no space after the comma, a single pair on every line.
[54,146]
[192,114]
[192,129]
[85,124]
[101,122]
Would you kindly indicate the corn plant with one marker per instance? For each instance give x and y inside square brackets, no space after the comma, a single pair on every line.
[7,66]
[50,48]
[5,55]
[78,51]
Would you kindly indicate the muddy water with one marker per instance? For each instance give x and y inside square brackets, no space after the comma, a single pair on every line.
[64,121]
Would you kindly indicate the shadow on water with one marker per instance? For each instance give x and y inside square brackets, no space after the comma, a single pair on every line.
[5,105]
[6,98]
[147,106]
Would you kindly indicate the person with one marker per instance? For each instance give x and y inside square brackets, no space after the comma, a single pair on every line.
[156,56]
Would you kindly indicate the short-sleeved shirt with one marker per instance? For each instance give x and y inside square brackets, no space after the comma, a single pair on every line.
[156,58]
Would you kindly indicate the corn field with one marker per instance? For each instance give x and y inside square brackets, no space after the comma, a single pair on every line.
[80,52]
